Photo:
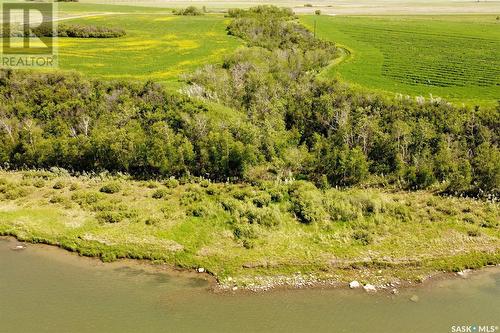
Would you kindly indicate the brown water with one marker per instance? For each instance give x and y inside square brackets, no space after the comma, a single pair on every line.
[45,289]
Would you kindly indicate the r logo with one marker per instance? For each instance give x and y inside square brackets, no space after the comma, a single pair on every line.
[29,35]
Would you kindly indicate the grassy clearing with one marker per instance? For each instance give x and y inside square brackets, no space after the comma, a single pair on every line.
[246,232]
[156,47]
[455,57]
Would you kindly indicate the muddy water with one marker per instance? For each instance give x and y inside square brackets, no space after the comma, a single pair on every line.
[45,289]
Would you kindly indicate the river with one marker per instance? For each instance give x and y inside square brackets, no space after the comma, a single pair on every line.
[44,289]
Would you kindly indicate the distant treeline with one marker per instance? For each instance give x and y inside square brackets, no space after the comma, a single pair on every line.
[189,11]
[78,31]
[65,30]
[279,122]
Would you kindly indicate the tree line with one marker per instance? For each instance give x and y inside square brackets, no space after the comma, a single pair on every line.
[259,115]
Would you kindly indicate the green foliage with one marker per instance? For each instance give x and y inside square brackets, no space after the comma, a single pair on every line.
[189,11]
[306,202]
[279,123]
[110,217]
[78,31]
[58,185]
[160,193]
[362,236]
[110,188]
[172,183]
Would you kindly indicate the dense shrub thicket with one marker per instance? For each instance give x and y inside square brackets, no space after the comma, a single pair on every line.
[79,31]
[188,11]
[285,123]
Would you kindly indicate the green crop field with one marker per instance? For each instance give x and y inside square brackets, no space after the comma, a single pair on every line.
[157,47]
[455,57]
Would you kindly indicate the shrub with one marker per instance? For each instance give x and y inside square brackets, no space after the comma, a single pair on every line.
[262,199]
[188,11]
[160,193]
[190,197]
[110,217]
[212,190]
[152,185]
[317,12]
[339,207]
[57,199]
[39,183]
[268,216]
[474,233]
[172,183]
[58,185]
[198,211]
[306,202]
[14,193]
[231,205]
[242,194]
[362,236]
[87,198]
[152,220]
[366,203]
[246,233]
[111,188]
[277,194]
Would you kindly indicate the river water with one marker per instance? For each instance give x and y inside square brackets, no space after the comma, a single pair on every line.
[44,289]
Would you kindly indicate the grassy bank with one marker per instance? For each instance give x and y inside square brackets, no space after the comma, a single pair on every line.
[252,236]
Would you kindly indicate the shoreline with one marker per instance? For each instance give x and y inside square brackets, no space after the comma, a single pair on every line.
[273,283]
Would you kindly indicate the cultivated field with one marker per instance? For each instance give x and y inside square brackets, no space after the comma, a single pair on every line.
[157,47]
[455,57]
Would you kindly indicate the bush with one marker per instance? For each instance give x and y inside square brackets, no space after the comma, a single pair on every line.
[277,194]
[110,217]
[58,185]
[39,183]
[172,183]
[339,207]
[362,236]
[198,211]
[188,11]
[247,234]
[262,199]
[152,220]
[191,196]
[86,199]
[306,202]
[366,203]
[268,216]
[111,188]
[160,193]
[14,192]
[57,199]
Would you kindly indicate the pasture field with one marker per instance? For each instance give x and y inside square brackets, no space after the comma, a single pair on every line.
[455,57]
[157,47]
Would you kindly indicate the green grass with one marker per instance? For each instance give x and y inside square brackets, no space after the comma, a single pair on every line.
[249,232]
[156,47]
[454,57]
